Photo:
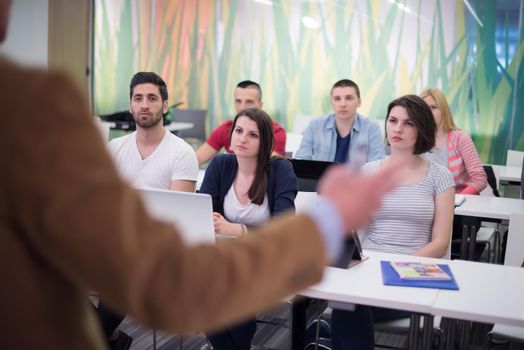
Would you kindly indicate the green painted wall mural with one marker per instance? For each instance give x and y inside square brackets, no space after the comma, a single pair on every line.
[473,50]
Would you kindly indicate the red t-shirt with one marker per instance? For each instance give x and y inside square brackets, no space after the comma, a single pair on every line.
[220,137]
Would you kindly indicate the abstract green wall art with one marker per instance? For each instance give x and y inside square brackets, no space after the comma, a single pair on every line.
[296,49]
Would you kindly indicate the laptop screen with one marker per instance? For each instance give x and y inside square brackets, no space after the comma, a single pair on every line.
[192,213]
[309,169]
[308,172]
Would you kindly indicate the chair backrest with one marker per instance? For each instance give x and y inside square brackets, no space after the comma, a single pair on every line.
[293,141]
[122,120]
[492,189]
[515,243]
[514,158]
[300,123]
[303,200]
[195,116]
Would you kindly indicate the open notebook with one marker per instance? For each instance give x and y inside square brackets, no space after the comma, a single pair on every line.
[192,213]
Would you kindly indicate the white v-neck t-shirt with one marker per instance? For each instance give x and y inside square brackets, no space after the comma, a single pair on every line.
[250,214]
[173,159]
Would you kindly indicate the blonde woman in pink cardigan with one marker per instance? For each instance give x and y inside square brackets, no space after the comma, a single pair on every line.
[454,148]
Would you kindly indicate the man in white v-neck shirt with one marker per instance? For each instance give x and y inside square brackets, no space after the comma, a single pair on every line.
[152,157]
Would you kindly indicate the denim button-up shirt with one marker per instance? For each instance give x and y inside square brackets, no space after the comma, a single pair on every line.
[320,139]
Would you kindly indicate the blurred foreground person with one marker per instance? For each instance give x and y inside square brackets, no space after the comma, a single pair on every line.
[70,225]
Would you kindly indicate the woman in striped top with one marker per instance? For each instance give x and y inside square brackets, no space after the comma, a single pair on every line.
[454,148]
[415,218]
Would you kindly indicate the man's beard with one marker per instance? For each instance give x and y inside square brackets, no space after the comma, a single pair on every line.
[150,122]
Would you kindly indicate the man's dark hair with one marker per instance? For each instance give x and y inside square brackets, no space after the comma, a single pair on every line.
[244,84]
[149,78]
[346,83]
[422,117]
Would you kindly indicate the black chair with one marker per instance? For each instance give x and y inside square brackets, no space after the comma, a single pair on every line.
[486,234]
[492,180]
[123,120]
[195,116]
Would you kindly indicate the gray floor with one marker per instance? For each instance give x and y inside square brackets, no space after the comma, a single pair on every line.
[267,337]
[271,337]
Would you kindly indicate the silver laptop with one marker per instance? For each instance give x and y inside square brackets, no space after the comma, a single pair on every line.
[192,213]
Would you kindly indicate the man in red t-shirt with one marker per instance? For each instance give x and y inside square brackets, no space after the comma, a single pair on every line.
[247,95]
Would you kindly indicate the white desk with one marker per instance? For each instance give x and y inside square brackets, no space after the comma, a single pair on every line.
[173,126]
[490,207]
[488,293]
[362,284]
[179,126]
[510,174]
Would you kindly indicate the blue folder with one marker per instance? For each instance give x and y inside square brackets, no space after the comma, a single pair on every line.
[390,277]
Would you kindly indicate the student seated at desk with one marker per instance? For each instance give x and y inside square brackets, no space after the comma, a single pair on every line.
[248,94]
[414,219]
[150,157]
[454,148]
[332,138]
[247,188]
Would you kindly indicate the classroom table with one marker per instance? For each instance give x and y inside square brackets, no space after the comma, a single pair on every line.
[510,174]
[362,284]
[173,126]
[487,293]
[486,208]
[179,126]
[507,173]
[509,179]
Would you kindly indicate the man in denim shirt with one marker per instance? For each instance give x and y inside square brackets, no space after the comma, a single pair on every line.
[335,136]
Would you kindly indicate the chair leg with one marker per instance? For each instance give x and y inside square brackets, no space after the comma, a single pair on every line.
[154,339]
[317,333]
[489,341]
[438,339]
[497,247]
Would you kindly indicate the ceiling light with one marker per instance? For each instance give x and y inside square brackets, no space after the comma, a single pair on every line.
[310,22]
[264,2]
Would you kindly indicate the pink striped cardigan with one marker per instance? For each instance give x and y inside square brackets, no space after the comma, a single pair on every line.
[464,164]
